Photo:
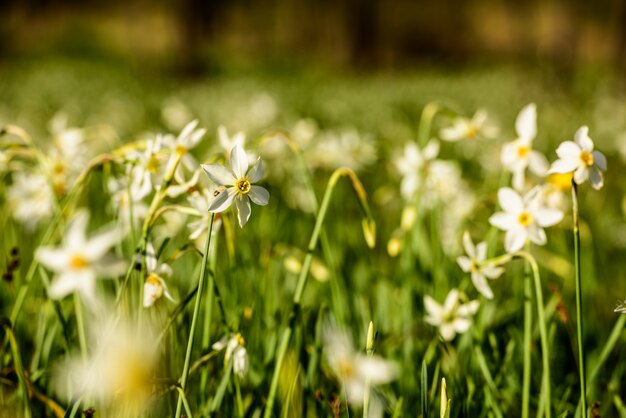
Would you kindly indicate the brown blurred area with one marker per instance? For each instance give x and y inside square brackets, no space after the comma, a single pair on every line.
[193,36]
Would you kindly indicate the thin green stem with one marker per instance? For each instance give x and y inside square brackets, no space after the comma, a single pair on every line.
[579,302]
[194,318]
[80,326]
[19,368]
[526,350]
[304,272]
[208,313]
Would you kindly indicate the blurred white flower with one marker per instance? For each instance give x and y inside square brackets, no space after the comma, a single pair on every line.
[464,128]
[239,183]
[126,203]
[229,142]
[474,263]
[30,198]
[347,148]
[452,317]
[524,218]
[188,138]
[517,155]
[80,260]
[235,349]
[201,200]
[355,369]
[146,171]
[412,164]
[580,158]
[154,287]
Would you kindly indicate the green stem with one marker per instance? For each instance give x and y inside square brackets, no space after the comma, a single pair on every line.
[208,313]
[80,327]
[194,319]
[304,273]
[579,302]
[528,317]
[426,120]
[543,332]
[19,368]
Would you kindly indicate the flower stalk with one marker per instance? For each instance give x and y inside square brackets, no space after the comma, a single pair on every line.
[579,301]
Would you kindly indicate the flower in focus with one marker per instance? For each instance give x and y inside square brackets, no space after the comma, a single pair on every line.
[474,263]
[80,260]
[579,157]
[452,317]
[31,199]
[523,218]
[355,369]
[464,128]
[518,154]
[239,183]
[235,349]
[154,287]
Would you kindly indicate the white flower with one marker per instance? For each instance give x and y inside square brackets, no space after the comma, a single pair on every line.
[355,369]
[188,138]
[235,348]
[453,317]
[126,203]
[147,168]
[154,286]
[473,263]
[518,154]
[580,158]
[239,182]
[412,166]
[30,198]
[229,142]
[79,261]
[200,201]
[524,218]
[464,128]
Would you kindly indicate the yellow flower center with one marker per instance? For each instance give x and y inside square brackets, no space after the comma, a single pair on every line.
[153,280]
[181,150]
[562,181]
[243,186]
[153,164]
[78,261]
[471,132]
[587,158]
[58,168]
[525,218]
[522,151]
[346,369]
[474,267]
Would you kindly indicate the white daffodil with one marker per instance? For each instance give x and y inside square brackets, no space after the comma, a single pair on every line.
[465,128]
[79,261]
[239,183]
[146,171]
[30,198]
[154,287]
[229,142]
[235,348]
[524,218]
[474,263]
[200,201]
[412,166]
[354,369]
[126,203]
[452,317]
[579,157]
[517,155]
[188,138]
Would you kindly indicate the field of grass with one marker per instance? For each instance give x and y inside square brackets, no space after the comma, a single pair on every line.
[319,304]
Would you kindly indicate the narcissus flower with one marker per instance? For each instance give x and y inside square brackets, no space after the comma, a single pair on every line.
[453,317]
[464,128]
[154,287]
[235,349]
[239,183]
[474,263]
[80,260]
[518,154]
[579,157]
[523,218]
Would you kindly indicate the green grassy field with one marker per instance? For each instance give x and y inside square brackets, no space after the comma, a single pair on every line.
[358,249]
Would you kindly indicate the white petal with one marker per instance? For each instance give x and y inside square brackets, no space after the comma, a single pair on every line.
[547,217]
[451,300]
[151,259]
[256,172]
[75,236]
[468,309]
[582,138]
[568,150]
[447,331]
[595,177]
[508,155]
[526,122]
[510,200]
[599,160]
[375,369]
[69,282]
[55,259]
[223,200]
[465,263]
[481,251]
[537,235]
[259,195]
[243,210]
[481,285]
[100,244]
[461,325]
[433,309]
[519,178]
[538,163]
[581,175]
[187,130]
[492,271]
[238,161]
[431,150]
[515,239]
[468,245]
[503,220]
[563,166]
[219,174]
